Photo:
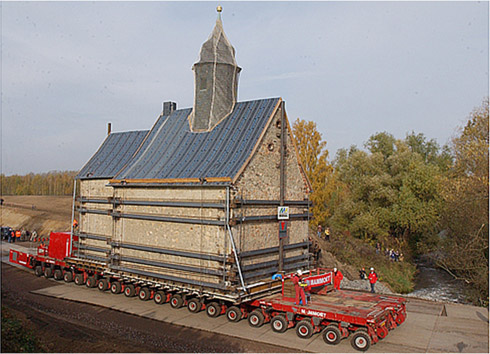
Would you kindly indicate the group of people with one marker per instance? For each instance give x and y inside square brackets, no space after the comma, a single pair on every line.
[395,256]
[20,235]
[323,233]
[372,276]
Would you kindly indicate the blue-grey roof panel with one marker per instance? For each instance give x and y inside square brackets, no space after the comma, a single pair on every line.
[114,153]
[171,150]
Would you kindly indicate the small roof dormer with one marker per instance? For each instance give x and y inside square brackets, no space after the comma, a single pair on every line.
[215,80]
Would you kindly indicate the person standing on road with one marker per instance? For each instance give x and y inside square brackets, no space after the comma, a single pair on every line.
[373,278]
[300,291]
[337,278]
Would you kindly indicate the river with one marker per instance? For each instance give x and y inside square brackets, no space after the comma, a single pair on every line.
[433,283]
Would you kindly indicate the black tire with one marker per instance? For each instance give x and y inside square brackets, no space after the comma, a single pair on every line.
[38,270]
[79,279]
[91,282]
[144,294]
[194,305]
[160,297]
[129,290]
[279,324]
[58,274]
[213,309]
[304,329]
[48,272]
[103,284]
[256,318]
[176,301]
[233,314]
[116,287]
[68,277]
[331,335]
[360,340]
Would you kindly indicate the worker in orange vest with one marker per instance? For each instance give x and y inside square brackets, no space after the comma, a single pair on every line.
[337,278]
[75,223]
[298,288]
[18,234]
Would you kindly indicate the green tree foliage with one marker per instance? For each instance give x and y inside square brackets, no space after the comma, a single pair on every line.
[51,183]
[392,190]
[313,156]
[464,250]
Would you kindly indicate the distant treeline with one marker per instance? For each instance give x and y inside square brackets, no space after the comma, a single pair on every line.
[51,183]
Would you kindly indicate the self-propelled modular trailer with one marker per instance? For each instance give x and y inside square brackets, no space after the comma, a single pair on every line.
[365,318]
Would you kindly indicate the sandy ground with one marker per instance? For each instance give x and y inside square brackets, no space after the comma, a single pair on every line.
[41,213]
[66,327]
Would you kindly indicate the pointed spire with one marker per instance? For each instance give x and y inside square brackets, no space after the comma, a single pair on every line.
[216,80]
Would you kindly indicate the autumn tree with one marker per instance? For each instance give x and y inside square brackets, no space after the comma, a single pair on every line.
[464,250]
[313,156]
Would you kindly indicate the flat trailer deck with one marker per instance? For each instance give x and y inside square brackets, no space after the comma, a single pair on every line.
[365,317]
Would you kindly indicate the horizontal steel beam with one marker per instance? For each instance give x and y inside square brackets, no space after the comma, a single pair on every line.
[93,258]
[117,201]
[171,266]
[272,202]
[269,217]
[91,248]
[168,277]
[219,185]
[274,270]
[116,214]
[92,237]
[187,254]
[250,267]
[273,249]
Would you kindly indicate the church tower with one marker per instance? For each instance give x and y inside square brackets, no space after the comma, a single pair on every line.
[215,80]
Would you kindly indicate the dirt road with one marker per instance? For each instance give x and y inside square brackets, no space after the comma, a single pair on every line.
[66,326]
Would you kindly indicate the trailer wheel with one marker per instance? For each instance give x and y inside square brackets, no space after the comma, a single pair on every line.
[304,329]
[38,271]
[91,282]
[256,318]
[129,290]
[68,277]
[160,297]
[360,340]
[213,309]
[79,279]
[144,294]
[233,314]
[176,301]
[331,335]
[116,287]
[399,319]
[48,272]
[103,284]
[279,324]
[382,332]
[194,305]
[57,275]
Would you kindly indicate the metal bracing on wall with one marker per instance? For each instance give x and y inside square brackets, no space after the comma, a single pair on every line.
[72,215]
[231,236]
[187,254]
[271,250]
[184,204]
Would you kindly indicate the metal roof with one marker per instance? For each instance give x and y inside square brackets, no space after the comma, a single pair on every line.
[114,153]
[172,151]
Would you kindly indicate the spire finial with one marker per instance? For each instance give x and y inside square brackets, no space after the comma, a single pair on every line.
[219,9]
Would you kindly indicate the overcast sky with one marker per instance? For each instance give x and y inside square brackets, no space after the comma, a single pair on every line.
[354,68]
